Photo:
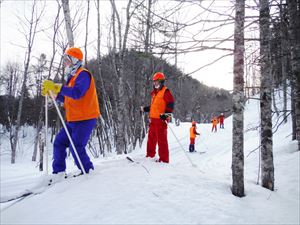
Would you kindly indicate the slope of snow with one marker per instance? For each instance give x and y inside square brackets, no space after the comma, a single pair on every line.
[120,192]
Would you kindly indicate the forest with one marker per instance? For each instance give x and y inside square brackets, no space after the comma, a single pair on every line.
[144,37]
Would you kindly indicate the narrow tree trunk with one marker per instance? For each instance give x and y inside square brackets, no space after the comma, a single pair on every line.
[66,8]
[284,61]
[293,110]
[37,137]
[267,165]
[30,40]
[86,31]
[118,62]
[238,103]
[41,151]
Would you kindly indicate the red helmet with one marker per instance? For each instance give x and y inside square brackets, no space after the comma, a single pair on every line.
[193,123]
[74,52]
[158,76]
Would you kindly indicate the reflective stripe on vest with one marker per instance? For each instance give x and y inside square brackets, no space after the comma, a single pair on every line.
[86,107]
[158,104]
[192,132]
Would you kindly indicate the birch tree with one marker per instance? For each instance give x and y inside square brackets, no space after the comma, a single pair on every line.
[294,31]
[30,36]
[66,8]
[104,128]
[238,102]
[118,63]
[86,31]
[266,135]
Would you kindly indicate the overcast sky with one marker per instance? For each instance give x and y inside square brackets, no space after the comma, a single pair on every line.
[217,75]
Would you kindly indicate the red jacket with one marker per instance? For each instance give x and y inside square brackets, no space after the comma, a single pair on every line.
[221,118]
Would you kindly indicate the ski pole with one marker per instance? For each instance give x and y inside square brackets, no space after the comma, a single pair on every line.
[46,133]
[67,132]
[180,143]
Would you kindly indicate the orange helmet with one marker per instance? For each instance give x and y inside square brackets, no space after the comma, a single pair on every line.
[74,52]
[193,123]
[158,76]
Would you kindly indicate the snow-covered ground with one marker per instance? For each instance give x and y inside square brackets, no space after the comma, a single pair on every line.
[120,192]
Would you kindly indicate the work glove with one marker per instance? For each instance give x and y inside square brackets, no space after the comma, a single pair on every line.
[165,117]
[49,85]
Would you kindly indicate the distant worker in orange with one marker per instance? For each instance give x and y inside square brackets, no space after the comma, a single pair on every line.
[162,105]
[214,122]
[193,133]
[221,120]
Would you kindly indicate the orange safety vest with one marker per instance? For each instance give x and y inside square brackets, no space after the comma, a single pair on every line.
[86,107]
[215,121]
[158,104]
[192,132]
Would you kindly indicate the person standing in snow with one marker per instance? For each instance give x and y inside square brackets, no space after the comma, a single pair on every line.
[81,105]
[221,120]
[193,133]
[162,103]
[214,122]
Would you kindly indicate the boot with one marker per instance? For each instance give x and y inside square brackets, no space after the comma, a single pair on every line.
[192,148]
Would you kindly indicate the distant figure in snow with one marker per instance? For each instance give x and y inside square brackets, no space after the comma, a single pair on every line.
[214,122]
[193,133]
[162,103]
[221,120]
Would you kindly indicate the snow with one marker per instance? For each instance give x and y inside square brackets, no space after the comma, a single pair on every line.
[120,192]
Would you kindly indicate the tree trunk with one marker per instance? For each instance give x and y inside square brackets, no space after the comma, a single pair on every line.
[37,137]
[293,110]
[267,165]
[238,102]
[65,4]
[294,30]
[86,31]
[30,40]
[284,61]
[41,150]
[118,62]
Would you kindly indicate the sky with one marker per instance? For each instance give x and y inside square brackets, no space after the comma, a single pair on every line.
[146,192]
[13,41]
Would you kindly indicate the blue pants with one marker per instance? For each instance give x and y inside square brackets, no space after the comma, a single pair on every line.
[80,132]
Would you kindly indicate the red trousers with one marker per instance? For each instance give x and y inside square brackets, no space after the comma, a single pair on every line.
[192,141]
[214,127]
[158,135]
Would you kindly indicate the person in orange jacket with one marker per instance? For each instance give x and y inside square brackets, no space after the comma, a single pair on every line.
[214,122]
[162,103]
[193,134]
[221,120]
[80,100]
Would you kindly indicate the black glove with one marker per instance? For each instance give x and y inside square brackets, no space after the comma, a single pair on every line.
[164,116]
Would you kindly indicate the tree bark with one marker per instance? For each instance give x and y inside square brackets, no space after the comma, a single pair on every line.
[66,8]
[238,102]
[267,165]
[294,30]
[30,40]
[86,31]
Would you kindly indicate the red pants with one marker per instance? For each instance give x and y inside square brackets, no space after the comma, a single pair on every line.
[192,141]
[158,135]
[214,127]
